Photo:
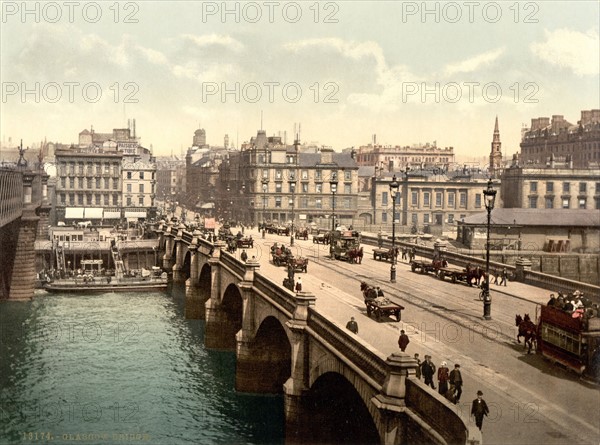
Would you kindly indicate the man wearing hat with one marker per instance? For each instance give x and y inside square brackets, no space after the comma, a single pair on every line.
[456,381]
[403,340]
[479,409]
[428,369]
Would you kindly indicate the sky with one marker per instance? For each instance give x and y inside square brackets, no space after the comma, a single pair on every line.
[409,72]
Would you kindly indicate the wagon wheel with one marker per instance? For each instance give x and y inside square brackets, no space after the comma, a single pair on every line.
[422,269]
[441,275]
[453,279]
[378,314]
[368,309]
[412,267]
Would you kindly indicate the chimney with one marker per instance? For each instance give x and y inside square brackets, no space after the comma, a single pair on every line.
[326,155]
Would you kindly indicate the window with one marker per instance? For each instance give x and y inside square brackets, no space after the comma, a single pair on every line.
[141,188]
[478,200]
[414,198]
[89,183]
[89,199]
[292,187]
[305,187]
[450,218]
[582,187]
[582,203]
[383,217]
[72,198]
[97,183]
[426,218]
[98,197]
[141,175]
[533,187]
[106,199]
[303,203]
[80,198]
[347,203]
[278,187]
[566,187]
[318,175]
[128,188]
[106,168]
[565,203]
[63,198]
[141,202]
[426,202]
[414,218]
[292,174]
[63,182]
[597,203]
[318,203]
[347,189]
[278,202]
[304,174]
[451,199]
[384,198]
[115,199]
[115,184]
[463,199]
[533,202]
[319,188]
[128,175]
[107,183]
[438,199]
[128,200]
[347,175]
[549,187]
[265,174]
[549,203]
[277,174]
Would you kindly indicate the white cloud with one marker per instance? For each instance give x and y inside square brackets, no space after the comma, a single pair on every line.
[474,63]
[575,50]
[153,56]
[214,40]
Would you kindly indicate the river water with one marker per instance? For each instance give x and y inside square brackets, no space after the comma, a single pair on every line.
[121,368]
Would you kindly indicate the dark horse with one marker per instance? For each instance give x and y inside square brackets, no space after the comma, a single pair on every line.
[527,330]
[356,255]
[475,275]
[369,292]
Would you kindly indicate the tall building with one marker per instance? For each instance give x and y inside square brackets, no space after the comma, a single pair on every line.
[268,180]
[563,141]
[394,158]
[496,153]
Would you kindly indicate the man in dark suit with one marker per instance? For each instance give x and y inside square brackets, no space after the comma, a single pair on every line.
[479,409]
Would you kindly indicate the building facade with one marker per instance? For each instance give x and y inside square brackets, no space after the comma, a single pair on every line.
[564,142]
[394,158]
[269,181]
[554,186]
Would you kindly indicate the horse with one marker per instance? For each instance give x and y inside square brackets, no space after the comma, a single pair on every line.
[476,274]
[356,255]
[528,330]
[369,292]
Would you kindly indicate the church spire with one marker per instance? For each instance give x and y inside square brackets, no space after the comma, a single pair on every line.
[496,152]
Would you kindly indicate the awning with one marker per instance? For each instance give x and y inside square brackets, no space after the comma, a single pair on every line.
[137,214]
[112,215]
[94,212]
[74,212]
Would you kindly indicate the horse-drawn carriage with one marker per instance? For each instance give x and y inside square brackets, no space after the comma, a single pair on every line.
[346,246]
[378,305]
[299,264]
[382,254]
[280,256]
[245,242]
[302,234]
[322,238]
[423,266]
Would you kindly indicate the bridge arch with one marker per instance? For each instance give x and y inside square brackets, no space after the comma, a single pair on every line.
[335,412]
[265,363]
[231,309]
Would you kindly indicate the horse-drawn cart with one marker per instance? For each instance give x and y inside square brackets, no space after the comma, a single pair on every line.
[299,264]
[423,266]
[322,238]
[302,234]
[455,274]
[245,242]
[382,307]
[381,254]
[280,257]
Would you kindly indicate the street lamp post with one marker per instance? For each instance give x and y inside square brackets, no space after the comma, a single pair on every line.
[490,197]
[393,193]
[292,183]
[333,182]
[265,187]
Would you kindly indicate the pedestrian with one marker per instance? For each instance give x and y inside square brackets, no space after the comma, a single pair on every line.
[244,256]
[352,325]
[403,340]
[479,409]
[443,377]
[456,381]
[428,370]
[404,253]
[504,277]
[379,292]
[379,239]
[418,370]
[299,285]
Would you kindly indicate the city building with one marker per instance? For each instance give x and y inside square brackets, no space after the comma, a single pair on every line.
[562,141]
[394,158]
[170,177]
[557,185]
[268,180]
[428,200]
[104,179]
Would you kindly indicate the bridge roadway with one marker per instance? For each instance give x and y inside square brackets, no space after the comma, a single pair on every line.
[531,400]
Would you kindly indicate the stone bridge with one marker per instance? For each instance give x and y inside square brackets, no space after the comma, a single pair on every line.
[336,388]
[24,211]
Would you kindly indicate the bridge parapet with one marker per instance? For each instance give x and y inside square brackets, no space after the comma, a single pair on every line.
[11,191]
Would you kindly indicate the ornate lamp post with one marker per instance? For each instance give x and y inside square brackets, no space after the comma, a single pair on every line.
[393,193]
[333,183]
[292,183]
[490,197]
